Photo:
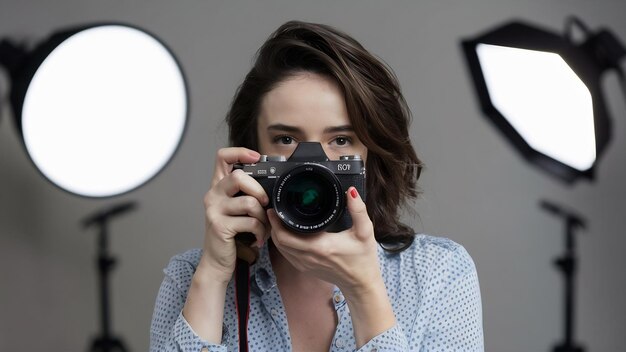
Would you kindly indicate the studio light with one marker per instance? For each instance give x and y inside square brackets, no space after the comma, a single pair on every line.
[543,91]
[101,109]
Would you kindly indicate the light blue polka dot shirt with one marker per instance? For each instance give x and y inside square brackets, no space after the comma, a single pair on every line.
[432,286]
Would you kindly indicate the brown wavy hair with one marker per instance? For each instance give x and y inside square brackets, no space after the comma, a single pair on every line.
[376,108]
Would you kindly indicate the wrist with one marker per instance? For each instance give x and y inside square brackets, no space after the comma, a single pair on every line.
[370,282]
[374,290]
[209,273]
[371,311]
[204,306]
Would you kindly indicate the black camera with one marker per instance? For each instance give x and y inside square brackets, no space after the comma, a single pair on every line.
[308,191]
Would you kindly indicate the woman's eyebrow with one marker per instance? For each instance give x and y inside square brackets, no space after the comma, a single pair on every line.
[283,128]
[292,129]
[335,129]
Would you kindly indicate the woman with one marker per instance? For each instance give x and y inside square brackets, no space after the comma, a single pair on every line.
[373,287]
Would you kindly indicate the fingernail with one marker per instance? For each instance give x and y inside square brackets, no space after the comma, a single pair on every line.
[354,193]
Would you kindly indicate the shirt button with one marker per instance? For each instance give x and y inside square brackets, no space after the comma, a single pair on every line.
[338,298]
[340,343]
[274,312]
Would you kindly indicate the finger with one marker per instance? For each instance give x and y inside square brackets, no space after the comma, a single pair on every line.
[249,254]
[226,157]
[277,239]
[245,205]
[361,222]
[242,224]
[282,237]
[238,181]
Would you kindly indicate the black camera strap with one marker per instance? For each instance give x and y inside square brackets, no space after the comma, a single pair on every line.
[242,301]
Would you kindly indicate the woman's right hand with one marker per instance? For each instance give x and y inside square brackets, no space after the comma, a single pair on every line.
[227,214]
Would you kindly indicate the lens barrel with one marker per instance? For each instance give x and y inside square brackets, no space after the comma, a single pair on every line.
[308,198]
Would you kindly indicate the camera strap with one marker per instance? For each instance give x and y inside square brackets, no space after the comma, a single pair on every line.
[242,301]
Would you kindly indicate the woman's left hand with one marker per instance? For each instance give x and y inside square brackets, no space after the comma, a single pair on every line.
[347,259]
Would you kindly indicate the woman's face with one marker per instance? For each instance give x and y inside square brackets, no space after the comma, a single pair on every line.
[307,107]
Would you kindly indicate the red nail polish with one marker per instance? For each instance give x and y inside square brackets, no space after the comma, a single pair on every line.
[354,193]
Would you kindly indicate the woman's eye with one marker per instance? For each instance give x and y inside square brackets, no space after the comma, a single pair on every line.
[341,141]
[283,140]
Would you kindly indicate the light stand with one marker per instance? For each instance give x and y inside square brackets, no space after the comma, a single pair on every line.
[567,265]
[105,263]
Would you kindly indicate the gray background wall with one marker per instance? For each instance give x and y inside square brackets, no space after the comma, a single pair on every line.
[477,189]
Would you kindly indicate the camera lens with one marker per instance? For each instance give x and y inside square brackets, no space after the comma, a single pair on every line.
[308,198]
[306,195]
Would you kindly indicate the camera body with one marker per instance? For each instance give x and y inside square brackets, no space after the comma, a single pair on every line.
[308,191]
